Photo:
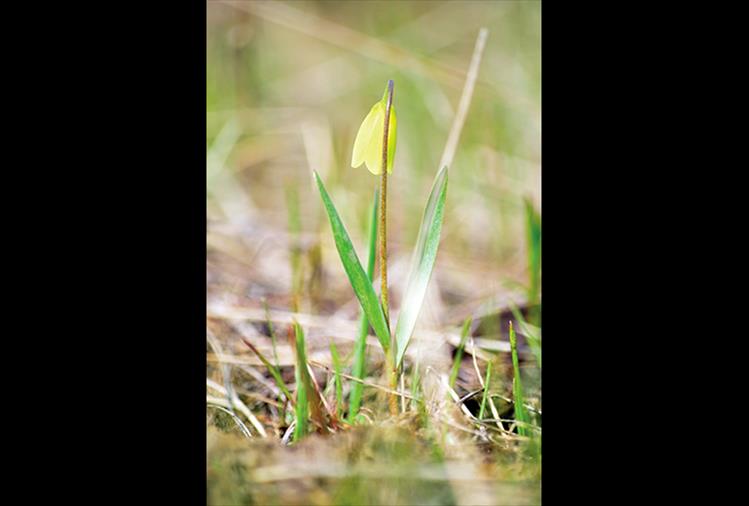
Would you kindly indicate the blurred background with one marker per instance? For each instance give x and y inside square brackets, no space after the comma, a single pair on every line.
[288,85]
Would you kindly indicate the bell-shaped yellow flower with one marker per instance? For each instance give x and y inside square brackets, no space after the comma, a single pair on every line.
[368,143]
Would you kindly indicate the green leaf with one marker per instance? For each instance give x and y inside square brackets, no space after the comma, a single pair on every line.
[533,238]
[338,385]
[357,277]
[360,348]
[303,386]
[534,341]
[521,415]
[422,263]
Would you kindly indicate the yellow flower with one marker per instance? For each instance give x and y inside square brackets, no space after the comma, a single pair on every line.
[368,143]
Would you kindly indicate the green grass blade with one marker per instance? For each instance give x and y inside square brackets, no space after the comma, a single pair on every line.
[338,384]
[303,387]
[534,341]
[459,351]
[486,390]
[360,348]
[425,254]
[362,286]
[521,415]
[533,238]
[271,368]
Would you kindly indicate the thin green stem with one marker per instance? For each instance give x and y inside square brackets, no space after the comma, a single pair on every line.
[302,385]
[383,243]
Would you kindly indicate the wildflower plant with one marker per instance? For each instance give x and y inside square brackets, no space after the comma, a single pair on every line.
[375,147]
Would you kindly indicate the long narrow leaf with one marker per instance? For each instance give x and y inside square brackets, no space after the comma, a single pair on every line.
[486,390]
[422,264]
[357,277]
[521,415]
[534,342]
[360,349]
[303,387]
[337,379]
[533,237]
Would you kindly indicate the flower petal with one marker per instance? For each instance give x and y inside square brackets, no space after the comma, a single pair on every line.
[367,131]
[373,154]
[392,127]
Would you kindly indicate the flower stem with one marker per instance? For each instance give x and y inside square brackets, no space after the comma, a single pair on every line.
[382,233]
[390,364]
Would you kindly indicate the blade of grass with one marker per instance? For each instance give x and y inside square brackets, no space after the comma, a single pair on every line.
[486,389]
[338,384]
[271,368]
[465,100]
[521,415]
[361,285]
[360,348]
[422,263]
[459,351]
[303,387]
[533,341]
[533,237]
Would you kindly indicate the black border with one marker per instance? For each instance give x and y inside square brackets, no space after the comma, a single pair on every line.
[122,89]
